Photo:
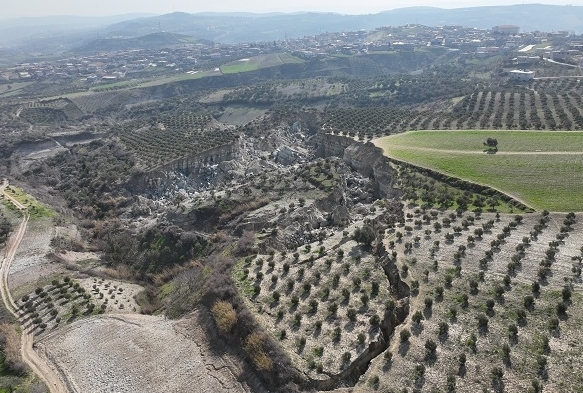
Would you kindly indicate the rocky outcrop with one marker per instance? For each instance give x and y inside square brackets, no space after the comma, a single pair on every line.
[365,158]
[335,205]
[328,145]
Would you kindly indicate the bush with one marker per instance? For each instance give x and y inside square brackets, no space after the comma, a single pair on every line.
[561,308]
[319,351]
[351,314]
[224,315]
[428,302]
[566,294]
[405,335]
[496,373]
[443,328]
[417,317]
[482,321]
[430,348]
[373,382]
[255,347]
[336,334]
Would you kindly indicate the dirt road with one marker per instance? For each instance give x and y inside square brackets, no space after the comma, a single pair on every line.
[29,356]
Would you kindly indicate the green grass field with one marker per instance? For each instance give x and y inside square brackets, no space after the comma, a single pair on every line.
[540,168]
[257,62]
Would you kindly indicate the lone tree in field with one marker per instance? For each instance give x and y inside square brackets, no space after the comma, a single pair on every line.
[491,143]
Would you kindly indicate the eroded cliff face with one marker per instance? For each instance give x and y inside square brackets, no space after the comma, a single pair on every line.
[328,145]
[365,158]
[195,168]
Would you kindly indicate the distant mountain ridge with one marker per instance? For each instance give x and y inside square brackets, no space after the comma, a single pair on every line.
[242,27]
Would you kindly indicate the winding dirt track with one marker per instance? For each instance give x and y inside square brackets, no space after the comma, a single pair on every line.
[29,356]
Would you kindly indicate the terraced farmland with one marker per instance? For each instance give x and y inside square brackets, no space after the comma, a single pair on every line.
[174,137]
[544,169]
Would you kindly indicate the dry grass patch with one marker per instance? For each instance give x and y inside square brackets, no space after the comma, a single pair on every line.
[224,315]
[255,347]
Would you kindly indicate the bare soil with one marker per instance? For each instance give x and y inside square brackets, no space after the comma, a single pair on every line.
[135,353]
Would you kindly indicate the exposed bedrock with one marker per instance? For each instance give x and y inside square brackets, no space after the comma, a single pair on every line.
[365,158]
[191,167]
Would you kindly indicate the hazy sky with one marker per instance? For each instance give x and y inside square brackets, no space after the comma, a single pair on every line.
[115,7]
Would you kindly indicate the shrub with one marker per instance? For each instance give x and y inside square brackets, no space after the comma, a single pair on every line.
[255,347]
[566,294]
[443,328]
[351,314]
[528,301]
[224,315]
[535,287]
[345,294]
[428,302]
[313,306]
[332,308]
[482,321]
[297,319]
[336,334]
[430,348]
[561,308]
[496,373]
[373,382]
[375,320]
[490,304]
[414,285]
[471,342]
[364,299]
[405,335]
[417,317]
[553,324]
[419,372]
[276,296]
[319,351]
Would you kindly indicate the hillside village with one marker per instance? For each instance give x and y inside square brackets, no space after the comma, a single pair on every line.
[523,49]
